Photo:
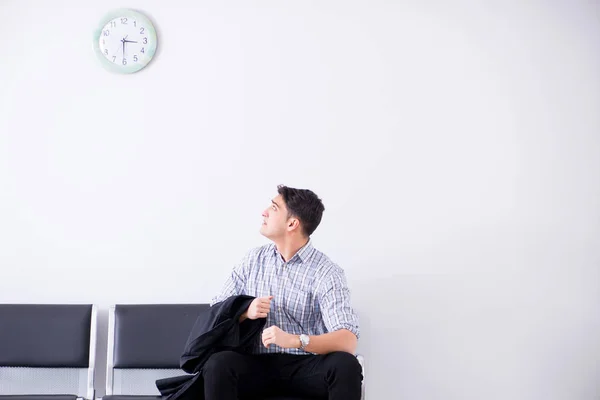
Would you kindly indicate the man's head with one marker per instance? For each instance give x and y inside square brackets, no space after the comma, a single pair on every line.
[292,212]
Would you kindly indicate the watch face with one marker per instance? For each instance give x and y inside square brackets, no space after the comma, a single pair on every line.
[304,339]
[126,41]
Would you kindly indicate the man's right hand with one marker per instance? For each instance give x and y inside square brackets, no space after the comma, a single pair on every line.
[259,308]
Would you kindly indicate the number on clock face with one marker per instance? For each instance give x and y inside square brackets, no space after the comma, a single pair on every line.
[124,40]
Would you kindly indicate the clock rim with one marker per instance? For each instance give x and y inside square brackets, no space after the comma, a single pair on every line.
[120,13]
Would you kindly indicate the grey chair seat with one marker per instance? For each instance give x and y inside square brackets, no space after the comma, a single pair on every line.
[133,397]
[130,397]
[38,397]
[290,398]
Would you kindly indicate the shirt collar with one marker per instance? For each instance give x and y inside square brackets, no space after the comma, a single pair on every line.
[303,253]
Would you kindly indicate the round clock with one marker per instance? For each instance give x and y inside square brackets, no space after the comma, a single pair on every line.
[125,41]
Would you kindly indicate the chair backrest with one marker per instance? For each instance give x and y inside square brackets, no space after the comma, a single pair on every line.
[145,343]
[47,349]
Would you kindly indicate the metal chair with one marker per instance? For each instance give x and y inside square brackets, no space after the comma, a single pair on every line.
[47,351]
[145,343]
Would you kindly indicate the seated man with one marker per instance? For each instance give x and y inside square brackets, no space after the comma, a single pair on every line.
[312,331]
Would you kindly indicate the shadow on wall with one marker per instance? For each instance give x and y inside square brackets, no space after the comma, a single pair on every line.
[381,342]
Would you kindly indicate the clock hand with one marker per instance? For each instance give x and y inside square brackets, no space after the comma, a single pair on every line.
[130,41]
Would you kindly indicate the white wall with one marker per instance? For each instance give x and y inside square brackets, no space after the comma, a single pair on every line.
[456,147]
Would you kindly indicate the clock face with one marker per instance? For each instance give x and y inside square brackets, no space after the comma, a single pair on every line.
[126,41]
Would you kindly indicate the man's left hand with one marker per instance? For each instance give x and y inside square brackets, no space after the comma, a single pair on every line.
[274,335]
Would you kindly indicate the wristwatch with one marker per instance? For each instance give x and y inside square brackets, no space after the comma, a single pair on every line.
[304,341]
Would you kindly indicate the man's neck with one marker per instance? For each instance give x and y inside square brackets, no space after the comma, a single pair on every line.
[288,247]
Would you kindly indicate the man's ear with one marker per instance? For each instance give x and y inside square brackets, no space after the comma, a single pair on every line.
[293,224]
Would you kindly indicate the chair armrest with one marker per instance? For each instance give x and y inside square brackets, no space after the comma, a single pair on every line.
[361,361]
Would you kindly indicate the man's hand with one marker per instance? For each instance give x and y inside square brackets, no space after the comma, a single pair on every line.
[259,308]
[274,335]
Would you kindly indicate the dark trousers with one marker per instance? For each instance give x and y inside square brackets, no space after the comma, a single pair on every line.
[231,376]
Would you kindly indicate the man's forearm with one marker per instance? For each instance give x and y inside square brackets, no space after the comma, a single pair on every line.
[342,340]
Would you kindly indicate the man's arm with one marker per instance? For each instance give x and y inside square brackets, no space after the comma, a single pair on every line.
[340,320]
[235,283]
[341,340]
[338,315]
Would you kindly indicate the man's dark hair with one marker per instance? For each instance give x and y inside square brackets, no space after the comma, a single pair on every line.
[304,205]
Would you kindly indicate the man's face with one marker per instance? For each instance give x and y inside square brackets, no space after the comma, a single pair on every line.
[275,219]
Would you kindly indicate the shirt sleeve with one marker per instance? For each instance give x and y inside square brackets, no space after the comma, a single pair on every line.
[235,283]
[334,300]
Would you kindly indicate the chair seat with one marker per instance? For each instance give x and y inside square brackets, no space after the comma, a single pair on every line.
[289,398]
[38,397]
[130,397]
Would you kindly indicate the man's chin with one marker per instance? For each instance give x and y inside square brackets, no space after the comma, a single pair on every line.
[266,233]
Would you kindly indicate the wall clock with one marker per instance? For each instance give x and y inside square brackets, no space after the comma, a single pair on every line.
[125,41]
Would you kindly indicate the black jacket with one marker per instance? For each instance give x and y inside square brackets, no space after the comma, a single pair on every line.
[216,330]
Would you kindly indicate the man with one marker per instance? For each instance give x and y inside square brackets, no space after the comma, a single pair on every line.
[312,331]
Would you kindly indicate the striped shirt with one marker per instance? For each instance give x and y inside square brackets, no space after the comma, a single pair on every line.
[310,294]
